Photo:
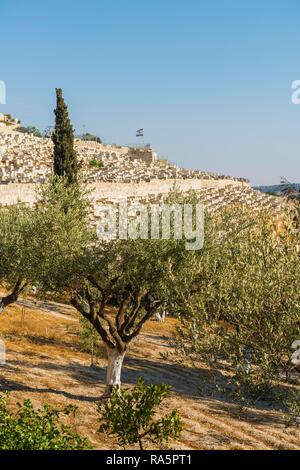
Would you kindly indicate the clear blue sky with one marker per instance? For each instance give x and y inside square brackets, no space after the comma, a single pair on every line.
[209,80]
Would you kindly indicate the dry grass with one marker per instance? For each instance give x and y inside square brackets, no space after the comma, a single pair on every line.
[45,364]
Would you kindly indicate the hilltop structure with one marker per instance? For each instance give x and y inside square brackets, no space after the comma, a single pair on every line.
[8,119]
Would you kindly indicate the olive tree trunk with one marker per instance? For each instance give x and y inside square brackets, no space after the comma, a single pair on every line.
[13,296]
[115,360]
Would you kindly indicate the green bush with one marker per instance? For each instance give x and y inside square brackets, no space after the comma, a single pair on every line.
[130,416]
[42,429]
[91,138]
[292,405]
[30,130]
[97,163]
[90,340]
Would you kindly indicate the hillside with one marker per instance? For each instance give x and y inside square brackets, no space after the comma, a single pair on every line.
[45,364]
[28,159]
[134,173]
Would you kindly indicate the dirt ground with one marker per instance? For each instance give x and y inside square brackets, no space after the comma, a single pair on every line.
[44,363]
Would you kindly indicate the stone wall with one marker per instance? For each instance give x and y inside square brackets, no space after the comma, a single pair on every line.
[214,194]
[11,193]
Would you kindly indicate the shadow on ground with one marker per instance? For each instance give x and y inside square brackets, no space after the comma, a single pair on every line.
[185,381]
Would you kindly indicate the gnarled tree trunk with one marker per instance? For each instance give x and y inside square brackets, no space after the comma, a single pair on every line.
[13,296]
[5,301]
[116,329]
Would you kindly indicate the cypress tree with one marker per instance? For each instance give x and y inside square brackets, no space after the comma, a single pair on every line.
[65,158]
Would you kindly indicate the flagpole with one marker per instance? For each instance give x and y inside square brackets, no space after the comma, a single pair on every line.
[140,133]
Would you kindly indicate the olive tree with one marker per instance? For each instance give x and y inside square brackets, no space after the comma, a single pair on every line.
[15,251]
[28,234]
[127,283]
[117,285]
[246,309]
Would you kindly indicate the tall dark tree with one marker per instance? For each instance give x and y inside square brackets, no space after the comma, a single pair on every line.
[65,158]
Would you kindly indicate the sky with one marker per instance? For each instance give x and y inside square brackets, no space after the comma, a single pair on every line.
[208,80]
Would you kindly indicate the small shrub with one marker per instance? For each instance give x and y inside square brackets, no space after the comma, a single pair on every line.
[292,414]
[90,340]
[97,163]
[91,138]
[130,416]
[42,429]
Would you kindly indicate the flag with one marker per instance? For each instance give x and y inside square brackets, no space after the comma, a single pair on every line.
[140,133]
